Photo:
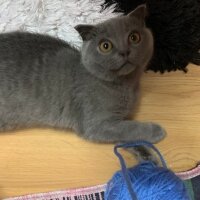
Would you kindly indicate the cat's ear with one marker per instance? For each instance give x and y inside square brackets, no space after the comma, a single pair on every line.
[86,31]
[140,12]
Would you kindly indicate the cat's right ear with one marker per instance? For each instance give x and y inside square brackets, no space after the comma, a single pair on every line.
[86,31]
[140,12]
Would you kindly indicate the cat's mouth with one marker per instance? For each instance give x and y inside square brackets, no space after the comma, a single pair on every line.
[122,66]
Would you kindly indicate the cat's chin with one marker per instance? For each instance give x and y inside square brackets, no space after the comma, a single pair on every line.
[126,69]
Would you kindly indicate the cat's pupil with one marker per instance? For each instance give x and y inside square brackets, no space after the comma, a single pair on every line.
[105,45]
[133,37]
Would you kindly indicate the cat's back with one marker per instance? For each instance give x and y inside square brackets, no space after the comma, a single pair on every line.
[14,45]
[30,62]
[26,55]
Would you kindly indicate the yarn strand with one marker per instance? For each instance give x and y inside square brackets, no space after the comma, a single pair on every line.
[141,143]
[125,173]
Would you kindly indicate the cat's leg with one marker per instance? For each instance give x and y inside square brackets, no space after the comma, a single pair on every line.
[4,126]
[12,120]
[111,131]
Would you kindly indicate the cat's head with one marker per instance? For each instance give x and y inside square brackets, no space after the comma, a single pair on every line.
[117,47]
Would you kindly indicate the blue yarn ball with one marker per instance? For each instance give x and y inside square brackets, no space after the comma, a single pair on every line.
[149,182]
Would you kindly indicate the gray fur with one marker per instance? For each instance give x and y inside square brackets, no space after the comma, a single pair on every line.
[46,82]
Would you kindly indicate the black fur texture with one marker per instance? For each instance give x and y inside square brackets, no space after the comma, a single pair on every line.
[176,28]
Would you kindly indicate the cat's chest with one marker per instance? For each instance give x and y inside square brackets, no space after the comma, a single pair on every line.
[121,98]
[128,98]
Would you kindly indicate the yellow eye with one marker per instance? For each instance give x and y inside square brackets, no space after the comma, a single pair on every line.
[134,38]
[105,46]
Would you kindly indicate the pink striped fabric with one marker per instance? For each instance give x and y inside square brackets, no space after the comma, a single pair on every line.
[189,174]
[91,193]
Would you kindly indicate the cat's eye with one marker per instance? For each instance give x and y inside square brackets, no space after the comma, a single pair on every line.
[105,46]
[134,38]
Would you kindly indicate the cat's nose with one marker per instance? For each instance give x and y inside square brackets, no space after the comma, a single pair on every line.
[124,53]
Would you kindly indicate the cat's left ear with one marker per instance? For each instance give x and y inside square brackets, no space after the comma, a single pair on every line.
[86,31]
[140,12]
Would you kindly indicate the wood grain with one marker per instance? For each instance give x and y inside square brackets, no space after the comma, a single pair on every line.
[40,160]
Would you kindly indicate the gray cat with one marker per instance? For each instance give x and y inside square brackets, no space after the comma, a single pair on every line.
[46,82]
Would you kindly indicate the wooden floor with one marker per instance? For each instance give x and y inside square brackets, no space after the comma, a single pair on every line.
[44,160]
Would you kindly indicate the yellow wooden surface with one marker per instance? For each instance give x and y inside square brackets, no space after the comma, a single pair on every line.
[42,160]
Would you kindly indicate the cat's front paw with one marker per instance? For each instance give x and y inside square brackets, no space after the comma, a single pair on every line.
[157,133]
